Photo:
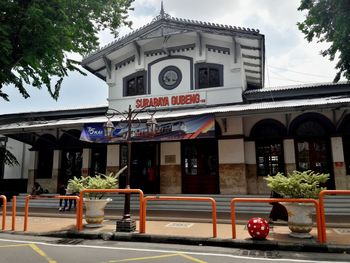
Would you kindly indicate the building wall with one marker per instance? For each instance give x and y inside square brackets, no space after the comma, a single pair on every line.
[232,170]
[170,168]
[22,153]
[232,82]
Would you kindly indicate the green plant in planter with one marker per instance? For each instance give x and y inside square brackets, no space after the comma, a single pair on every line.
[100,181]
[306,184]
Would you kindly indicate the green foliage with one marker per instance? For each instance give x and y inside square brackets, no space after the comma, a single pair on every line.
[7,157]
[328,21]
[297,184]
[100,181]
[36,35]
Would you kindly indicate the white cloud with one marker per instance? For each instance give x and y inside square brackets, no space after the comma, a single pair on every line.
[290,59]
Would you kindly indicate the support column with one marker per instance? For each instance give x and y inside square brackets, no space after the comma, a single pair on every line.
[56,169]
[170,168]
[289,155]
[112,158]
[85,171]
[232,170]
[340,178]
[33,164]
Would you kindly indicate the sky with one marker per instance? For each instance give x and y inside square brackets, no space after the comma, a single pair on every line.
[290,59]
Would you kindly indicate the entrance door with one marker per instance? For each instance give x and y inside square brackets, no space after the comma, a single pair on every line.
[72,162]
[144,166]
[200,167]
[314,154]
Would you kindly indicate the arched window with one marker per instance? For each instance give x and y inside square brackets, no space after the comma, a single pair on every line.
[312,133]
[268,136]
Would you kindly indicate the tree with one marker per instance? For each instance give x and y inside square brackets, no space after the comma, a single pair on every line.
[6,157]
[36,35]
[328,21]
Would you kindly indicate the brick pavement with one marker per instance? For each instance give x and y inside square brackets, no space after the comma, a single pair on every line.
[196,226]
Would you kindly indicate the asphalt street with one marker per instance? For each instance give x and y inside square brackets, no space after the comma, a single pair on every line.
[30,249]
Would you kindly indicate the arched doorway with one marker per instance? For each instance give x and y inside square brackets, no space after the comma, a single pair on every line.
[45,146]
[71,155]
[312,144]
[268,136]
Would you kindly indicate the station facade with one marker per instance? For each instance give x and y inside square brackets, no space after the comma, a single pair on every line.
[219,130]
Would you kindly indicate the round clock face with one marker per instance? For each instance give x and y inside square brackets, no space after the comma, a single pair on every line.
[170,77]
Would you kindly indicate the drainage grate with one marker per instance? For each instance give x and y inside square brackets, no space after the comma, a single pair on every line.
[259,253]
[179,225]
[69,241]
[342,231]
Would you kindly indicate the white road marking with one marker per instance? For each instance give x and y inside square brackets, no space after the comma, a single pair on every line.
[172,251]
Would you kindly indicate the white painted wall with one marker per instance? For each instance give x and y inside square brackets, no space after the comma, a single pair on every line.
[337,149]
[22,154]
[289,151]
[113,155]
[170,148]
[229,93]
[249,153]
[231,151]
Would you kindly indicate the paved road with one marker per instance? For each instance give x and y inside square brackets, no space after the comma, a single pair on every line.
[30,249]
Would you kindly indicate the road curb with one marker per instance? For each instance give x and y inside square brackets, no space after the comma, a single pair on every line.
[197,241]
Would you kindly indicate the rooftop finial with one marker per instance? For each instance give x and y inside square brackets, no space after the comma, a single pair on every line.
[162,14]
[162,10]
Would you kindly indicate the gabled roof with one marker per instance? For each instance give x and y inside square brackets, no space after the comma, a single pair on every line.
[250,40]
[293,92]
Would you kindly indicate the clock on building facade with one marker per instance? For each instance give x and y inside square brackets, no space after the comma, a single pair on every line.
[170,77]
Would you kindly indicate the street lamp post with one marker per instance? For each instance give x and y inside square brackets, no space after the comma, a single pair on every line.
[127,224]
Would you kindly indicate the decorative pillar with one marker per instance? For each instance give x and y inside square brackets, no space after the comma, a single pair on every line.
[232,170]
[112,158]
[33,164]
[289,155]
[341,180]
[85,171]
[170,168]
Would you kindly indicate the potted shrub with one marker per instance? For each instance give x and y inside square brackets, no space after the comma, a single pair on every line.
[306,184]
[95,203]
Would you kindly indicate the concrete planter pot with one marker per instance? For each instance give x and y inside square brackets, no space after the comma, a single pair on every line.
[299,219]
[95,211]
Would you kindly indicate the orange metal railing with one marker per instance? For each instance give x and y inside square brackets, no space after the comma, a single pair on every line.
[122,191]
[14,206]
[4,205]
[26,209]
[178,198]
[271,200]
[321,205]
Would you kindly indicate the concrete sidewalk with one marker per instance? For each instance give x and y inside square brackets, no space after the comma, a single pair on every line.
[185,228]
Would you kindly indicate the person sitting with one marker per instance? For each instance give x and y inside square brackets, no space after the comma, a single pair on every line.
[278,211]
[37,189]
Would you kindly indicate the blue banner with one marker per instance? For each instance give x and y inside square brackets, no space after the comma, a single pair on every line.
[189,128]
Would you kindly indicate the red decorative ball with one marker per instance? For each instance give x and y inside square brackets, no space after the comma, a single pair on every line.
[258,228]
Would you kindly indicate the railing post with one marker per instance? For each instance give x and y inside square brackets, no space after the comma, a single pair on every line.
[233,218]
[26,210]
[4,205]
[14,208]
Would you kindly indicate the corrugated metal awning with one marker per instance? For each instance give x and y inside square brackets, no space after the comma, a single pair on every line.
[238,109]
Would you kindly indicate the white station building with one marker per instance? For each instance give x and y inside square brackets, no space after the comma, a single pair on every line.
[219,129]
